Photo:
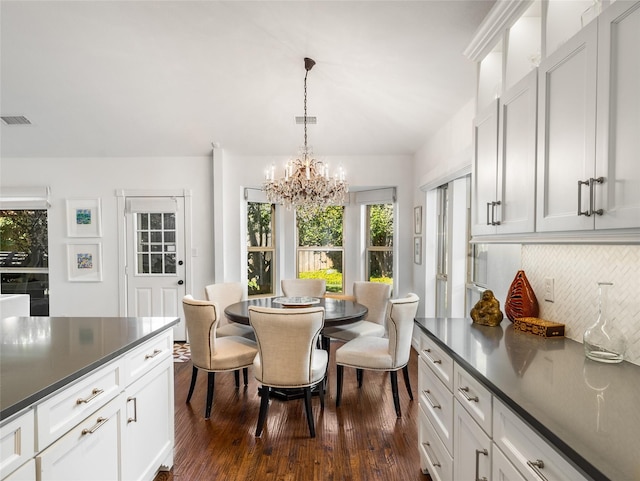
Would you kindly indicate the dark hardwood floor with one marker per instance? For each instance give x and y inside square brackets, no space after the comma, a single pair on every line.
[361,440]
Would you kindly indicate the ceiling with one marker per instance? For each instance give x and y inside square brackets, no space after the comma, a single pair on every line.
[169,78]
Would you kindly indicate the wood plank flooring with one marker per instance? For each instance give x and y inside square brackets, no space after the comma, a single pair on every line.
[361,440]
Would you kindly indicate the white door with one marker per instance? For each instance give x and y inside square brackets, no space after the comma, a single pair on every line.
[155,262]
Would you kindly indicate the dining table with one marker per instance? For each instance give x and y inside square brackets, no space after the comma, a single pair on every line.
[336,312]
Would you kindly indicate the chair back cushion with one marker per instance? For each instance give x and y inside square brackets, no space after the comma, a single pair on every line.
[303,287]
[225,294]
[286,344]
[201,319]
[373,295]
[400,316]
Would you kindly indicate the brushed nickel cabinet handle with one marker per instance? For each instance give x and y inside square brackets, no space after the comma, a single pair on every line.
[433,404]
[536,466]
[95,393]
[592,195]
[580,184]
[478,453]
[95,427]
[155,353]
[465,392]
[134,419]
[432,456]
[426,353]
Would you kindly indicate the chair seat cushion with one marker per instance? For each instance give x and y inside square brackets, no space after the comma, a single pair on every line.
[232,352]
[348,332]
[365,353]
[235,329]
[319,362]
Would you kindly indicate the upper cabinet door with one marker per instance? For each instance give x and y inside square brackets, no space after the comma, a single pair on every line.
[618,145]
[485,170]
[566,133]
[517,157]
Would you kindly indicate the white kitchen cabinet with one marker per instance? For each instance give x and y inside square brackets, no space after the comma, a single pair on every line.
[472,452]
[17,442]
[505,162]
[618,118]
[89,452]
[502,469]
[26,472]
[566,134]
[148,424]
[474,397]
[532,456]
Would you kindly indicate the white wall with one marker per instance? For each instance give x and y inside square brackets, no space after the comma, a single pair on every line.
[100,177]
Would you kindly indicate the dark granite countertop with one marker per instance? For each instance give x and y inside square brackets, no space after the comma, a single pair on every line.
[39,355]
[587,410]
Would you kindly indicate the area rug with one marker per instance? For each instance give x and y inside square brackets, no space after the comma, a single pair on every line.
[181,352]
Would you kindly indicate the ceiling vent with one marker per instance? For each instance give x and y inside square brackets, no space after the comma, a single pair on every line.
[15,120]
[310,120]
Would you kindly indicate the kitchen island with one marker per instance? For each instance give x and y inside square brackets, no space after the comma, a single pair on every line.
[86,397]
[581,409]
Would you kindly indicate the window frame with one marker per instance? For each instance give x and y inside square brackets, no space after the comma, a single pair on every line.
[371,248]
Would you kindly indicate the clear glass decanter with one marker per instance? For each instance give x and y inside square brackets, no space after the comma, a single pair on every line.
[604,342]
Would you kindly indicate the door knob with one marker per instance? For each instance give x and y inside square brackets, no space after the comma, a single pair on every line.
[180,263]
[180,282]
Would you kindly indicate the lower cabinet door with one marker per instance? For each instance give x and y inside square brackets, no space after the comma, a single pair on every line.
[472,447]
[434,457]
[27,472]
[502,469]
[148,434]
[89,452]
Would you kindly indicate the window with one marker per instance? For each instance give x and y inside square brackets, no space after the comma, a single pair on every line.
[156,246]
[379,251]
[320,246]
[24,256]
[260,248]
[442,295]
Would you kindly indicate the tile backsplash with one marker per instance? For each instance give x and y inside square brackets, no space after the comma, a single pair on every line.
[576,270]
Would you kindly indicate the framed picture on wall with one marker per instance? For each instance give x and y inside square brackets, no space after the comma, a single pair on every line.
[417,250]
[84,262]
[83,218]
[417,220]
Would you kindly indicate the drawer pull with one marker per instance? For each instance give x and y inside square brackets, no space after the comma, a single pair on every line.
[435,461]
[536,466]
[155,353]
[426,353]
[95,427]
[134,419]
[465,393]
[94,394]
[433,404]
[478,453]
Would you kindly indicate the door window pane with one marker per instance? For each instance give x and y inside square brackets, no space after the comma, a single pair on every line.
[156,248]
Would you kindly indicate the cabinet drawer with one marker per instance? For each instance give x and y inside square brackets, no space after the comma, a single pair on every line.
[438,360]
[147,356]
[474,397]
[529,452]
[502,469]
[90,451]
[437,402]
[17,442]
[434,457]
[64,410]
[27,472]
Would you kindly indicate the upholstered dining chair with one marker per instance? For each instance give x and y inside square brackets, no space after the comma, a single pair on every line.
[287,355]
[383,354]
[374,296]
[210,353]
[303,287]
[225,294]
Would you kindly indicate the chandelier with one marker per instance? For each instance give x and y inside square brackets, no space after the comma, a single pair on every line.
[307,184]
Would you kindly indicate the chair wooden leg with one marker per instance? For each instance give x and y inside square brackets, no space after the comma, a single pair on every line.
[194,375]
[322,391]
[236,374]
[407,382]
[307,407]
[394,390]
[359,374]
[339,375]
[210,385]
[245,376]
[264,407]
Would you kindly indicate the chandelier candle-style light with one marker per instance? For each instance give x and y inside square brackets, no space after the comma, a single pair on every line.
[306,184]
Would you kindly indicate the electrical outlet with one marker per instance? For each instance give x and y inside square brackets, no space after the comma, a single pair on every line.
[548,289]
